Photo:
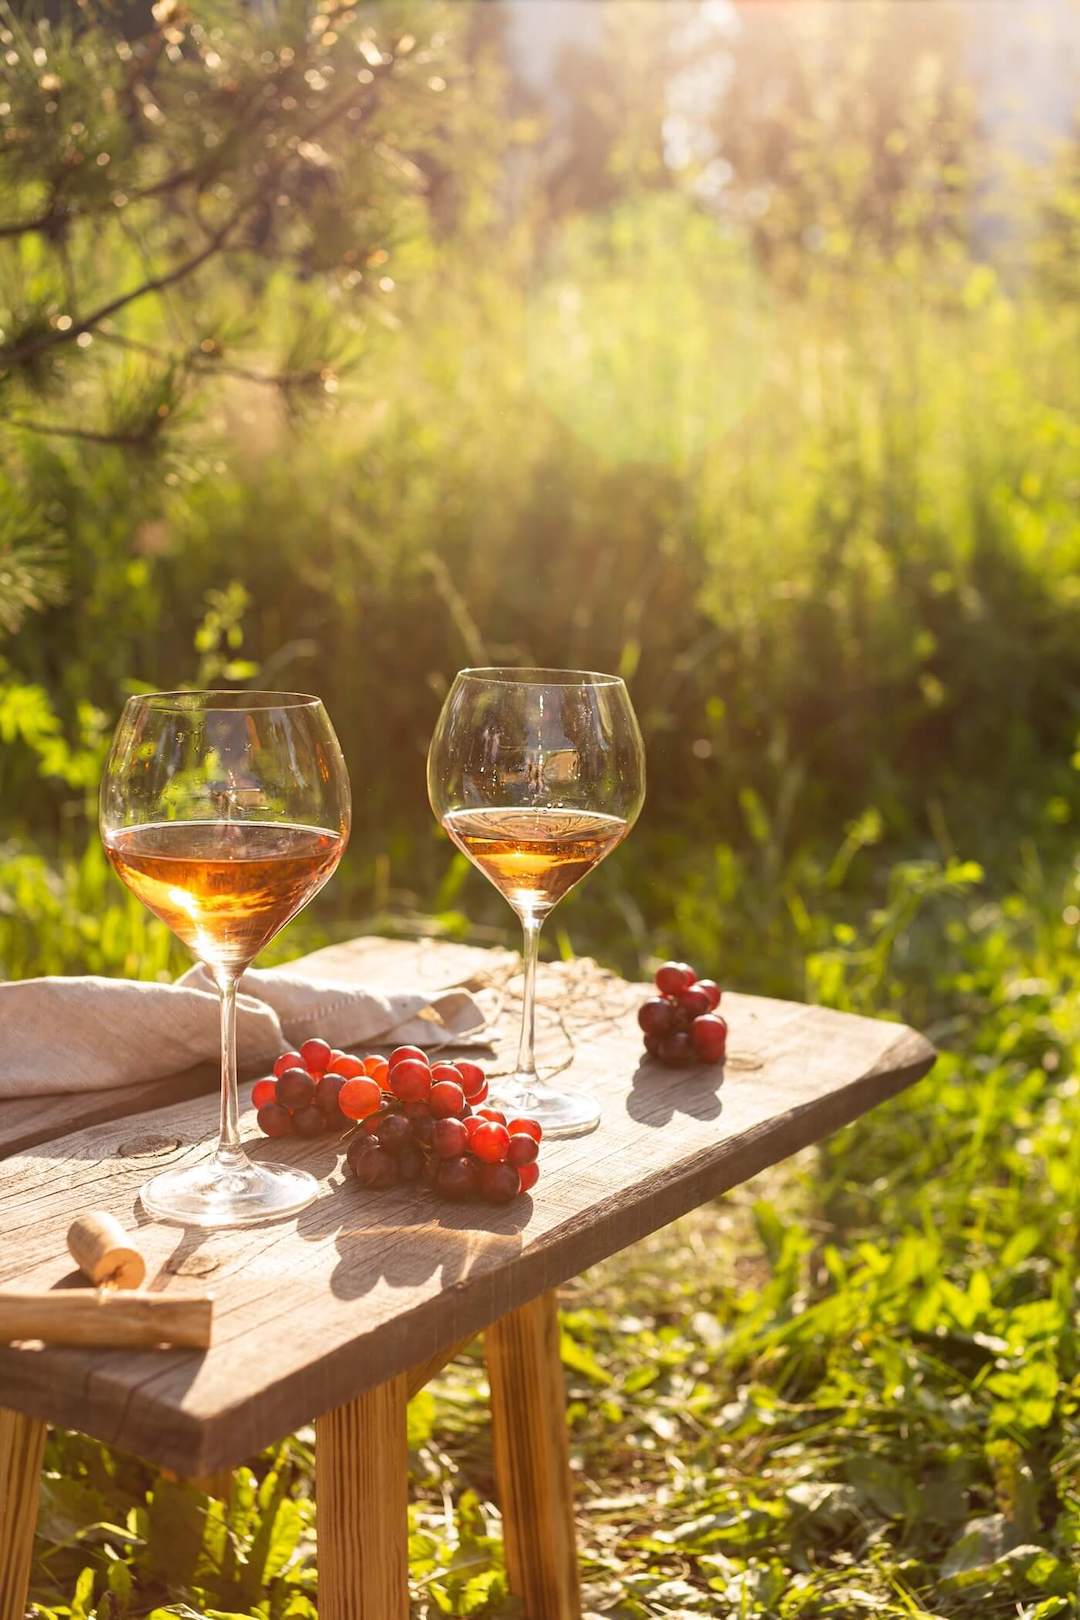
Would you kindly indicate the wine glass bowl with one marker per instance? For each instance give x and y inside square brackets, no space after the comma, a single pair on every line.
[225,813]
[537,775]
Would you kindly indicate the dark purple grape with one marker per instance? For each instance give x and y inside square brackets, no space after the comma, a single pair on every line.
[327,1094]
[676,1050]
[499,1183]
[358,1149]
[457,1178]
[449,1138]
[394,1132]
[310,1121]
[295,1088]
[378,1169]
[410,1164]
[274,1120]
[423,1129]
[656,1016]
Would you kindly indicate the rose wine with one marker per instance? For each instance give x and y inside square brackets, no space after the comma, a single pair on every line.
[224,887]
[534,857]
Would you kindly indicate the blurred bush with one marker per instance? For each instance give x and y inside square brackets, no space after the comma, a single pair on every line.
[813,493]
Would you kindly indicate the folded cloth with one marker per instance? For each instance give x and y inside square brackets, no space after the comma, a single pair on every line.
[89,1033]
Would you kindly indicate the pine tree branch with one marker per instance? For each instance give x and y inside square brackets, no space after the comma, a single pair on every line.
[17,353]
[60,430]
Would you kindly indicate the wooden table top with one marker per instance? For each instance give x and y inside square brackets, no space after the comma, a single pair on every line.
[311,1311]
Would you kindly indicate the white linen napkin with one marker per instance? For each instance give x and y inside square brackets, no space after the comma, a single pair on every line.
[89,1033]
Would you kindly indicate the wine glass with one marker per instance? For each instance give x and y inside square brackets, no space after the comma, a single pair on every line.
[225,812]
[536,775]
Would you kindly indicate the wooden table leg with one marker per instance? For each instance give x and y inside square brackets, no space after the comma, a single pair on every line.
[362,1504]
[22,1444]
[532,1459]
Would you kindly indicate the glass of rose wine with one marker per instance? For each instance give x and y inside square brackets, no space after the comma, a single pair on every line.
[536,775]
[225,812]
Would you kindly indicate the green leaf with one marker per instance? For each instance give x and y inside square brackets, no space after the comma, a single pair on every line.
[581,1360]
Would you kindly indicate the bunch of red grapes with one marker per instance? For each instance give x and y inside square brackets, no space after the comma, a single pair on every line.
[316,1089]
[418,1120]
[681,1024]
[428,1124]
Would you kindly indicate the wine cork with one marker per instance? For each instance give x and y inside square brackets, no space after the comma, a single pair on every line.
[103,1250]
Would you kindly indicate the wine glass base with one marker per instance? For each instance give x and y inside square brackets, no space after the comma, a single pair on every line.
[211,1194]
[558,1113]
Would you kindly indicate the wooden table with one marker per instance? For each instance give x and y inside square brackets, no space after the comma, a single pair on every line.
[353,1304]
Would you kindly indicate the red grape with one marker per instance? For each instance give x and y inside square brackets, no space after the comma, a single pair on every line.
[359,1098]
[287,1060]
[449,1138]
[499,1183]
[473,1078]
[446,1099]
[492,1113]
[402,1054]
[528,1176]
[274,1120]
[673,977]
[491,1143]
[316,1055]
[410,1079]
[712,990]
[263,1092]
[377,1069]
[522,1150]
[656,1016]
[709,1035]
[295,1088]
[347,1066]
[446,1071]
[531,1127]
[695,1001]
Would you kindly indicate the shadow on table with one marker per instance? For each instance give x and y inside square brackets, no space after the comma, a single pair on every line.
[419,1235]
[658,1094]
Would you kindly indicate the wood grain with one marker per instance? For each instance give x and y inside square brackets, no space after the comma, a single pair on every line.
[364,1285]
[532,1459]
[22,1446]
[361,1506]
[417,1377]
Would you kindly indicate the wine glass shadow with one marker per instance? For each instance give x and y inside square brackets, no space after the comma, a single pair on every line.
[657,1094]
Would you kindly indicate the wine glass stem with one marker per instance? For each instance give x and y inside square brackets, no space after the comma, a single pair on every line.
[526,1058]
[229,1154]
